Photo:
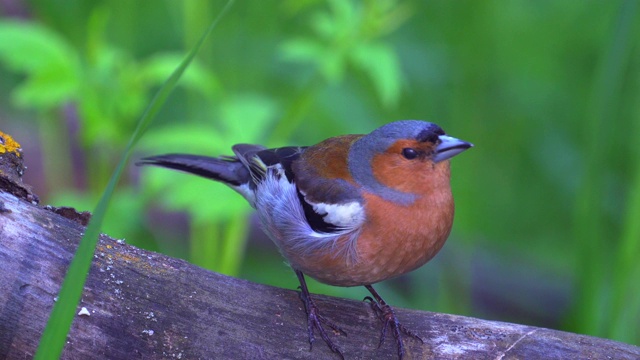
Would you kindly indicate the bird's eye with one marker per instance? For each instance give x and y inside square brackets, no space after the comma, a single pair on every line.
[409,153]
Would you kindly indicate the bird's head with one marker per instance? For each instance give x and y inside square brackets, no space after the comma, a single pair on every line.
[404,159]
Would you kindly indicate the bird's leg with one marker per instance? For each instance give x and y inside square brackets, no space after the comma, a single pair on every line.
[315,319]
[388,317]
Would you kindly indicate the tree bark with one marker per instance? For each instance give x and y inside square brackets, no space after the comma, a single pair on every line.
[150,306]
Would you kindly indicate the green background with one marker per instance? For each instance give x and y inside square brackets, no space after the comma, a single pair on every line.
[547,228]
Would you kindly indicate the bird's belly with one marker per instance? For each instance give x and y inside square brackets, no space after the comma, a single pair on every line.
[377,260]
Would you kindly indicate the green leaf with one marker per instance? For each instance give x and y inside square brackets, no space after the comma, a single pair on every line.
[381,64]
[302,50]
[342,21]
[246,118]
[324,25]
[50,63]
[330,63]
[55,333]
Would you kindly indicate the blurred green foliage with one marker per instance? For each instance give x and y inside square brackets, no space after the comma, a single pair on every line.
[547,229]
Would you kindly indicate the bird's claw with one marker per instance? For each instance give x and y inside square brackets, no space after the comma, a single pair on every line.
[316,320]
[386,314]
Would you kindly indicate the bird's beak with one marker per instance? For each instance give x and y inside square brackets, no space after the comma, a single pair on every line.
[449,147]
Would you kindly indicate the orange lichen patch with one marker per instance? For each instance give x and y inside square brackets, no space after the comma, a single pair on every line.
[127,257]
[118,255]
[8,145]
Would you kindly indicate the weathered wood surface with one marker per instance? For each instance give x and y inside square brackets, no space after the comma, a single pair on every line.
[150,306]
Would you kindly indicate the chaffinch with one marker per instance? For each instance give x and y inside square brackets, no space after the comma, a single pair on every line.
[351,210]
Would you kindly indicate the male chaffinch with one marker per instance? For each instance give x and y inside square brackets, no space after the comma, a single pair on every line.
[351,210]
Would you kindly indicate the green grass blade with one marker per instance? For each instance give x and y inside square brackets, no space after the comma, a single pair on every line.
[55,333]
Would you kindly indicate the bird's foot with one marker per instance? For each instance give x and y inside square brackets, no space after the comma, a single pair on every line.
[386,314]
[316,320]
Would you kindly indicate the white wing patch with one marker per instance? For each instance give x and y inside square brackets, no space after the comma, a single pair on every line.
[283,219]
[349,215]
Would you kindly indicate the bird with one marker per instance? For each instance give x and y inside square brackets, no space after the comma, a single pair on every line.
[352,210]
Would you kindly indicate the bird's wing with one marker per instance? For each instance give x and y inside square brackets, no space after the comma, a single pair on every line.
[258,159]
[331,201]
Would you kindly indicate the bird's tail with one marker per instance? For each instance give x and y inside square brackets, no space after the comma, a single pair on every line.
[227,169]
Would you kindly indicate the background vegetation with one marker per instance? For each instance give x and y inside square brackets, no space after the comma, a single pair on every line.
[547,229]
